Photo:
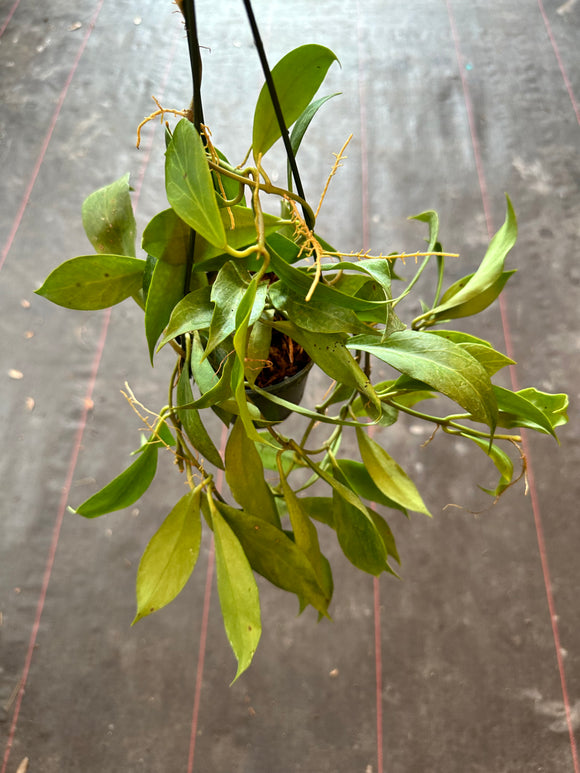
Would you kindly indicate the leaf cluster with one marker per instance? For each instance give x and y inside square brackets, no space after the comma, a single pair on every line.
[219,280]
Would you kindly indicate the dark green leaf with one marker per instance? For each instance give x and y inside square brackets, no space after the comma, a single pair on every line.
[170,556]
[302,124]
[357,534]
[165,292]
[275,556]
[441,364]
[330,353]
[108,219]
[297,77]
[126,488]
[192,423]
[92,282]
[319,317]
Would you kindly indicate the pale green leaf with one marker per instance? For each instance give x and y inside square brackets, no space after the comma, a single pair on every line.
[92,282]
[170,556]
[108,219]
[388,476]
[189,184]
[166,237]
[238,592]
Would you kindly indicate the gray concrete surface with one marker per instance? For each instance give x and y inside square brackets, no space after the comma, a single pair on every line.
[469,664]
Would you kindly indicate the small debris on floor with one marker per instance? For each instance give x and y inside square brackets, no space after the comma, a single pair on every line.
[15,374]
[23,767]
[334,673]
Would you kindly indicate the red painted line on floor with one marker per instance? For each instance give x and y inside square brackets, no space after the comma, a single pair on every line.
[7,19]
[378,672]
[204,625]
[365,225]
[47,138]
[559,60]
[55,537]
[72,463]
[509,350]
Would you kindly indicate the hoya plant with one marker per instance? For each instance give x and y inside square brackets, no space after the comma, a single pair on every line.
[248,301]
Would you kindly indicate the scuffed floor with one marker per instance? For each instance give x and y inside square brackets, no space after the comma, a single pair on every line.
[470,663]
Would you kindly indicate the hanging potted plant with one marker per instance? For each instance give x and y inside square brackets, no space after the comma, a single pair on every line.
[249,302]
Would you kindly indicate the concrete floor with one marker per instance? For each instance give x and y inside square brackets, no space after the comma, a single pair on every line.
[470,663]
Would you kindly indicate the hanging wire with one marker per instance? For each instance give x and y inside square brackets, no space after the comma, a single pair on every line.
[188,8]
[277,109]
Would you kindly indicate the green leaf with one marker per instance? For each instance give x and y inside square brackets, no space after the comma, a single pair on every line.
[92,282]
[258,350]
[391,479]
[502,462]
[299,280]
[358,536]
[517,411]
[242,321]
[475,305]
[165,292]
[108,219]
[553,406]
[227,293]
[170,556]
[194,312]
[319,317]
[241,234]
[245,476]
[361,482]
[432,219]
[297,77]
[238,592]
[487,275]
[166,237]
[387,536]
[192,423]
[319,508]
[302,124]
[189,184]
[330,353]
[275,556]
[441,364]
[459,337]
[305,534]
[491,359]
[126,488]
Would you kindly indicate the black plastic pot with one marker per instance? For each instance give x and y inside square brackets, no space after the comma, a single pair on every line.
[291,389]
